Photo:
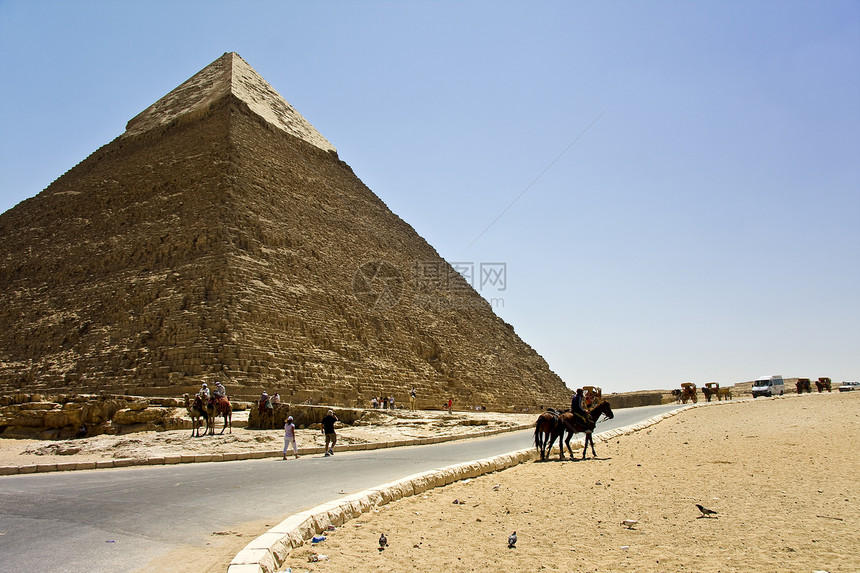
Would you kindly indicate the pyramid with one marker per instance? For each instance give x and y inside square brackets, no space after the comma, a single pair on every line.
[221,236]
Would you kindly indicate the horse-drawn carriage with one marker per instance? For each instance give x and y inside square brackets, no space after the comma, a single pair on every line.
[823,384]
[711,389]
[688,392]
[593,395]
[804,385]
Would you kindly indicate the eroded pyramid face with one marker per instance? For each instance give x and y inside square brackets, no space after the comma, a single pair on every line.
[220,235]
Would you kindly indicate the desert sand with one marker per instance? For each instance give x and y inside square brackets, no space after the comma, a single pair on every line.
[781,473]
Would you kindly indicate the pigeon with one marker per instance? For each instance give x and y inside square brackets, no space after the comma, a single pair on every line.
[705,511]
[383,542]
[512,540]
[629,523]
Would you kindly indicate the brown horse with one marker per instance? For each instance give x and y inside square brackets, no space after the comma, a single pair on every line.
[198,414]
[545,428]
[220,406]
[571,424]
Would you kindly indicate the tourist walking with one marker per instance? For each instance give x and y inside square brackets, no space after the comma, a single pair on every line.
[412,399]
[290,437]
[328,429]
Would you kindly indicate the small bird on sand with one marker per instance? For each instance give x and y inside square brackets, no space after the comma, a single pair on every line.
[512,540]
[629,523]
[705,511]
[383,542]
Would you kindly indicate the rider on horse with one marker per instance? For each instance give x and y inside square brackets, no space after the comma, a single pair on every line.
[577,406]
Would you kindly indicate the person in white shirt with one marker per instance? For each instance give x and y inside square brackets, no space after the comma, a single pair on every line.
[290,437]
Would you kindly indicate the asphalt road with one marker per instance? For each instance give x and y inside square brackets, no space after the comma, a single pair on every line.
[119,520]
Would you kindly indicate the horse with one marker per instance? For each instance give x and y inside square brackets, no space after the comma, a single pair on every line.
[220,406]
[196,411]
[571,424]
[545,428]
[724,393]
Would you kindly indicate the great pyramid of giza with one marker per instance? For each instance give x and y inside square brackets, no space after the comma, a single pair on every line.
[221,236]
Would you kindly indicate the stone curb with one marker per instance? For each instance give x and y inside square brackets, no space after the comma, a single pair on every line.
[267,552]
[233,456]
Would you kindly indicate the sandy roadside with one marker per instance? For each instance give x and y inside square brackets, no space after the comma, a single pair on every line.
[380,426]
[781,473]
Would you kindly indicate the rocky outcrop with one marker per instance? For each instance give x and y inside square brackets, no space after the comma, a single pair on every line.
[303,416]
[63,417]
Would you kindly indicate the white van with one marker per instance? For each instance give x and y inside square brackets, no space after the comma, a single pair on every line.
[768,386]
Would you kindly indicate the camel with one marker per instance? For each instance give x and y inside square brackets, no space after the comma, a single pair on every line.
[266,411]
[196,411]
[219,406]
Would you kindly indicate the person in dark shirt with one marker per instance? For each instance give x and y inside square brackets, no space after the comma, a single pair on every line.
[577,406]
[328,429]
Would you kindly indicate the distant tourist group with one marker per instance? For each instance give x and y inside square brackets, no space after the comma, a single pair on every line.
[388,403]
[383,402]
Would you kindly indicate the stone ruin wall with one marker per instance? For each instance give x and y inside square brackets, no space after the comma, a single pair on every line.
[62,417]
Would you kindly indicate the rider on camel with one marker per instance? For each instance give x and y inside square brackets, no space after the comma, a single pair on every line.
[220,391]
[577,406]
[204,392]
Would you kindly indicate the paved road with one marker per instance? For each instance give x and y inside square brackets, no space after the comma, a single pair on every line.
[119,520]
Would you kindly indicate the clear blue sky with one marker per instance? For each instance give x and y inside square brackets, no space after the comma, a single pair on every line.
[706,227]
